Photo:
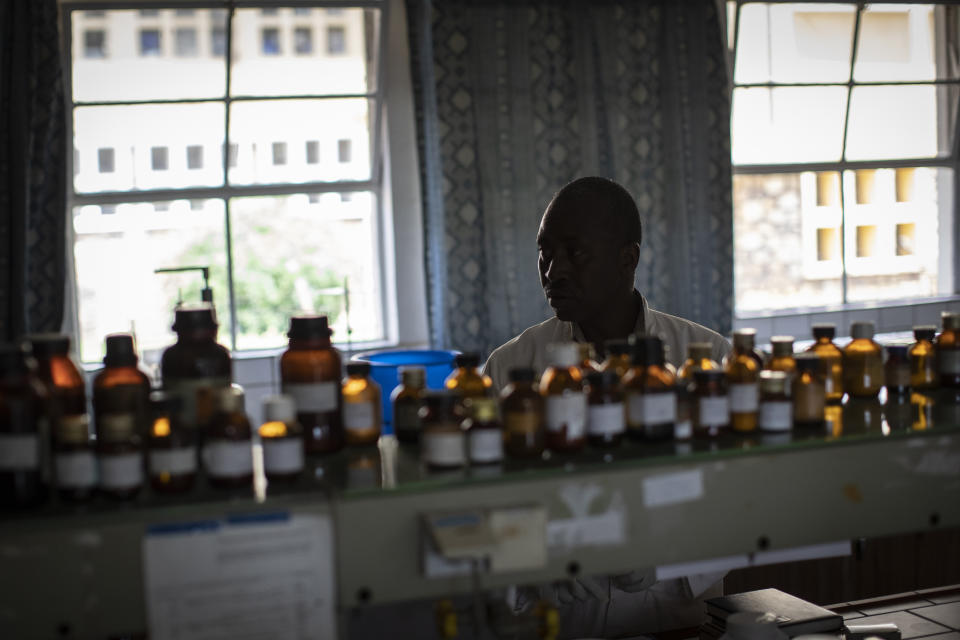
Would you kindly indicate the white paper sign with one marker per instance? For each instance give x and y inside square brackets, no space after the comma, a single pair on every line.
[256,576]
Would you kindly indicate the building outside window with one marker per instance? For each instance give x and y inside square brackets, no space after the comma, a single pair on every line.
[313,151]
[194,156]
[94,43]
[185,41]
[105,160]
[303,40]
[218,41]
[336,40]
[150,42]
[279,152]
[343,151]
[270,41]
[158,158]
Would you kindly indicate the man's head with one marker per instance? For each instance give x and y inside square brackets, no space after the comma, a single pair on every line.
[589,242]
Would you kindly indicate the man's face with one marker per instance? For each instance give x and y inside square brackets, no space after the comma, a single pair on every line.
[580,261]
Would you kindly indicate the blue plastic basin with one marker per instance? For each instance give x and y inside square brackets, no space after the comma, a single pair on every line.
[385,365]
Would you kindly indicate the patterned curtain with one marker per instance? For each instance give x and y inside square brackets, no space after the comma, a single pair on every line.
[516,98]
[32,169]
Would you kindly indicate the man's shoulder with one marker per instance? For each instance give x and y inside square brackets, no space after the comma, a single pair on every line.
[689,329]
[528,339]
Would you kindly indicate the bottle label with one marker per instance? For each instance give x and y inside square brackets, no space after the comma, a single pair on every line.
[176,462]
[313,397]
[359,415]
[121,471]
[744,397]
[948,361]
[196,395]
[406,417]
[74,428]
[75,470]
[567,411]
[652,408]
[521,422]
[116,427]
[776,415]
[282,455]
[443,449]
[19,451]
[714,411]
[228,458]
[486,445]
[606,419]
[682,430]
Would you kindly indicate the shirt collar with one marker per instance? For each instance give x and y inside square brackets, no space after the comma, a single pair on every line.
[643,325]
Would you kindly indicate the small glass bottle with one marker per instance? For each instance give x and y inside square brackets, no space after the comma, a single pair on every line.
[947,350]
[808,392]
[361,405]
[776,410]
[523,415]
[310,371]
[466,380]
[442,441]
[862,362]
[923,362]
[120,397]
[782,358]
[196,367]
[649,389]
[588,358]
[171,448]
[896,370]
[564,398]
[862,415]
[618,357]
[606,414]
[24,430]
[683,425]
[698,358]
[831,360]
[483,431]
[227,447]
[281,437]
[407,398]
[711,405]
[742,377]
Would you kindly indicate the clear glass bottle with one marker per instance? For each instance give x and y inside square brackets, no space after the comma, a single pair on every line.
[361,405]
[310,371]
[776,409]
[782,358]
[227,446]
[923,361]
[862,362]
[831,360]
[606,414]
[483,431]
[523,415]
[742,380]
[466,380]
[808,392]
[650,391]
[196,367]
[121,393]
[24,430]
[442,441]
[281,437]
[699,357]
[171,448]
[618,357]
[947,350]
[564,397]
[711,405]
[407,398]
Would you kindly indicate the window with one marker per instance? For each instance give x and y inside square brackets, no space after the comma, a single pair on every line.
[158,158]
[268,12]
[194,156]
[303,40]
[150,42]
[232,152]
[270,41]
[184,12]
[302,12]
[336,40]
[149,13]
[95,43]
[185,42]
[279,153]
[95,14]
[105,160]
[218,41]
[343,150]
[313,151]
[842,139]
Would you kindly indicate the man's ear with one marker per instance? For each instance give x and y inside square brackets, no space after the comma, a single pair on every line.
[630,256]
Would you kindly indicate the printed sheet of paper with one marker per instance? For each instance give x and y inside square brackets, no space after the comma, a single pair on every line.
[254,577]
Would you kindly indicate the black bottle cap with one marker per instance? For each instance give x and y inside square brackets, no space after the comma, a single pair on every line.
[522,374]
[198,316]
[469,359]
[307,327]
[120,351]
[647,351]
[925,332]
[708,375]
[603,379]
[439,399]
[358,369]
[617,347]
[824,330]
[49,344]
[807,362]
[897,351]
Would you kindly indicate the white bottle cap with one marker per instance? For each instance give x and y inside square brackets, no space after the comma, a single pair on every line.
[279,409]
[860,330]
[563,354]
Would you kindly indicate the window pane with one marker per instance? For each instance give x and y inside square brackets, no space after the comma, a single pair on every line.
[268,64]
[786,245]
[896,43]
[256,126]
[272,284]
[794,43]
[791,124]
[892,122]
[143,64]
[116,254]
[134,132]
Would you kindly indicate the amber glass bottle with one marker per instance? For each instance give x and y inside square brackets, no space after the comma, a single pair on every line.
[588,358]
[698,358]
[282,439]
[711,405]
[782,357]
[227,447]
[923,362]
[407,398]
[606,414]
[831,361]
[947,350]
[465,380]
[74,461]
[808,392]
[564,398]
[618,357]
[196,367]
[523,415]
[483,431]
[442,442]
[776,410]
[742,377]
[171,448]
[862,362]
[24,430]
[650,394]
[310,371]
[361,405]
[896,369]
[120,397]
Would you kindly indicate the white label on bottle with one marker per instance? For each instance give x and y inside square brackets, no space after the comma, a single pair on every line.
[568,410]
[196,395]
[19,451]
[176,462]
[653,408]
[313,397]
[744,397]
[115,426]
[359,415]
[282,455]
[776,415]
[682,430]
[948,361]
[486,445]
[443,448]
[228,458]
[121,471]
[77,470]
[714,411]
[606,419]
